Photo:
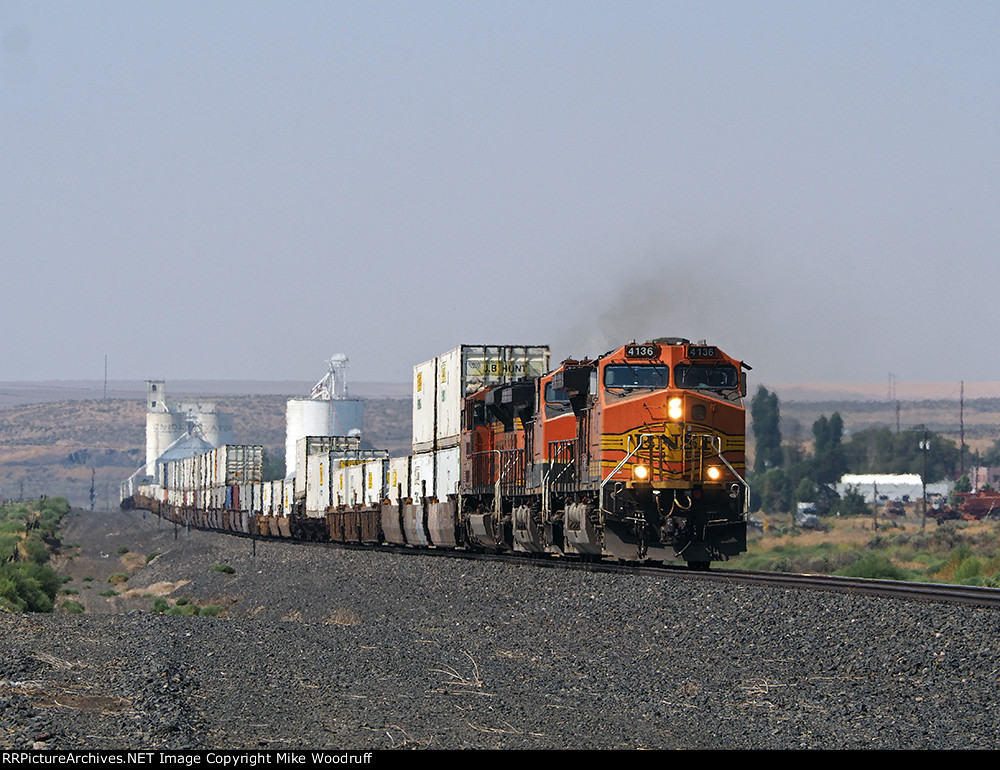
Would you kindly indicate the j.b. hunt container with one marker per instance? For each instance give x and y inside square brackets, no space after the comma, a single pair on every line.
[441,385]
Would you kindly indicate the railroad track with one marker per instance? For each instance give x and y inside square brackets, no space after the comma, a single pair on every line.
[974,596]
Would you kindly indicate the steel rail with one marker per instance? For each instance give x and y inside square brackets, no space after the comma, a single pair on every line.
[944,593]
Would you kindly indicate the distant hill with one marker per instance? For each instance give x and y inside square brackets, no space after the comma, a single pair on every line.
[21,393]
[867,391]
[56,448]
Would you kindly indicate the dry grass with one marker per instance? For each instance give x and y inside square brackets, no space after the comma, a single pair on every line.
[344,617]
[967,549]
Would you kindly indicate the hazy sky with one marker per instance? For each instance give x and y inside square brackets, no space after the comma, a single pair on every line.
[239,190]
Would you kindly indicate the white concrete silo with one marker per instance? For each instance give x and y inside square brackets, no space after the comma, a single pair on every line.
[328,411]
[167,422]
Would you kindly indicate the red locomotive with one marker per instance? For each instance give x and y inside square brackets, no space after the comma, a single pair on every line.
[638,454]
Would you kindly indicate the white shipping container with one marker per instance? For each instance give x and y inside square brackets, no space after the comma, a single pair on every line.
[309,446]
[355,478]
[275,501]
[317,490]
[424,411]
[441,385]
[243,463]
[375,482]
[449,472]
[398,479]
[422,476]
[339,486]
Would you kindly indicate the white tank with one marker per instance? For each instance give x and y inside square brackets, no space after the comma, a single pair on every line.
[216,428]
[347,417]
[327,412]
[162,430]
[304,417]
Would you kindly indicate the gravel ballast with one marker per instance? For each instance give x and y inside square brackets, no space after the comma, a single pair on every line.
[345,649]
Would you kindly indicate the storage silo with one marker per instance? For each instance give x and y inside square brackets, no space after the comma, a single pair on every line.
[328,411]
[167,422]
[303,417]
[162,427]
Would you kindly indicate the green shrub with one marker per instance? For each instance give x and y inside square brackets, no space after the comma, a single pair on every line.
[968,569]
[223,568]
[28,587]
[72,608]
[152,556]
[108,592]
[873,565]
[211,610]
[160,604]
[35,549]
[118,577]
[122,550]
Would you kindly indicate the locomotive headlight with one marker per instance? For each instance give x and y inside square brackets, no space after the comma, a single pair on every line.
[640,472]
[675,409]
[713,472]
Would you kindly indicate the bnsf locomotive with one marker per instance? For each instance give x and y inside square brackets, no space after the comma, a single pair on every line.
[636,455]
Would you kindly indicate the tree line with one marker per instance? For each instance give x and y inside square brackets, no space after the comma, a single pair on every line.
[784,475]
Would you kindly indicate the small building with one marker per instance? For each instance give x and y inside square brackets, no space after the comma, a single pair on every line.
[885,486]
[982,476]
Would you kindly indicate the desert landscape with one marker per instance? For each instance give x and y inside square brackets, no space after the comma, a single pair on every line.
[60,438]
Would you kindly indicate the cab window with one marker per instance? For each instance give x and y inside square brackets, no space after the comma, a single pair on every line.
[706,376]
[556,401]
[635,376]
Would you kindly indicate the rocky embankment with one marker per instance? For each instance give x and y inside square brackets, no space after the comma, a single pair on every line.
[319,647]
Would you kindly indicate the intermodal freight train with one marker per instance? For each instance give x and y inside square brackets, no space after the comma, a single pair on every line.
[637,455]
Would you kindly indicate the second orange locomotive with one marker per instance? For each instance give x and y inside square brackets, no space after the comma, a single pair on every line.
[638,454]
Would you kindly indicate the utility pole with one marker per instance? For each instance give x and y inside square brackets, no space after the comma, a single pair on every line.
[961,429]
[923,480]
[875,506]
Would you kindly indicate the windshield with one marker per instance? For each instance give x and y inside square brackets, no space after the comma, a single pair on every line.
[707,376]
[553,396]
[631,376]
[556,402]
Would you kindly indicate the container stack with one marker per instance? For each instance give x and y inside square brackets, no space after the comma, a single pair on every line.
[439,390]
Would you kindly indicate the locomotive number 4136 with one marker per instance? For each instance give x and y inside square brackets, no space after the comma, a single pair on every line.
[642,351]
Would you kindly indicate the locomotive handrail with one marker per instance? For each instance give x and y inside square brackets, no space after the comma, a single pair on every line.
[501,472]
[618,467]
[718,450]
[546,483]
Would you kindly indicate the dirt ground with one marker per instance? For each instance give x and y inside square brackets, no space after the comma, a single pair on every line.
[98,546]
